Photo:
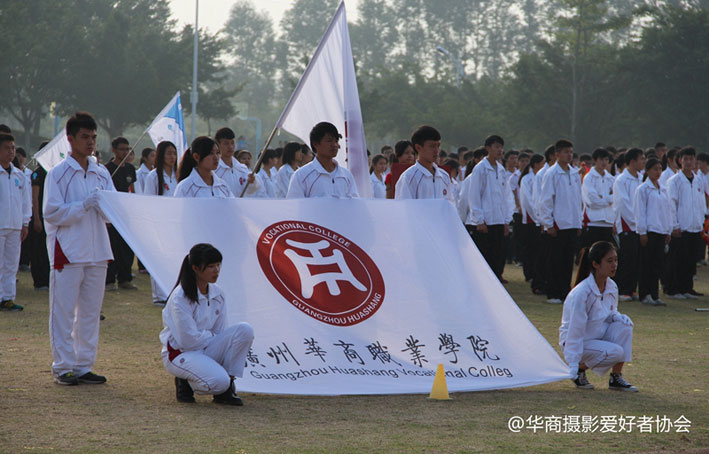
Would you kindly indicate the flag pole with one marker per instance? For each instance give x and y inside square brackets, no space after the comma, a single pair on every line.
[257,167]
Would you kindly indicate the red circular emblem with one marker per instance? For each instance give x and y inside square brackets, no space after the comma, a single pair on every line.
[320,272]
[445,192]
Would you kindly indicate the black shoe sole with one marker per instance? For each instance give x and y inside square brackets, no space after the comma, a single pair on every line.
[63,383]
[91,382]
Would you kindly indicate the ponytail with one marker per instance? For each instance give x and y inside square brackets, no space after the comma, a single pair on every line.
[589,256]
[201,255]
[202,146]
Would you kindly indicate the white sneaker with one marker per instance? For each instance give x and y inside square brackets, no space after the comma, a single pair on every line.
[689,296]
[625,298]
[678,296]
[659,302]
[554,301]
[648,300]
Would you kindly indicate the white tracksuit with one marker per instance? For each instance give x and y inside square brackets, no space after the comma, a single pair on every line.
[597,194]
[268,182]
[282,180]
[140,175]
[79,250]
[197,344]
[312,181]
[652,210]
[418,183]
[194,186]
[485,197]
[560,199]
[379,188]
[624,189]
[688,202]
[150,187]
[591,330]
[538,179]
[15,213]
[526,198]
[236,177]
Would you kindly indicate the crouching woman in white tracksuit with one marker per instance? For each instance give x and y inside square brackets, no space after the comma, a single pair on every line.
[593,334]
[199,348]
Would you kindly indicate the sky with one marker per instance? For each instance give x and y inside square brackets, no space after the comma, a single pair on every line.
[214,13]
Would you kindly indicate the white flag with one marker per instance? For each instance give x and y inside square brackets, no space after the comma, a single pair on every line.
[170,125]
[343,295]
[327,91]
[54,152]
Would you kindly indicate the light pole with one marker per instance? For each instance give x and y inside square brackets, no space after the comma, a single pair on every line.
[459,66]
[193,97]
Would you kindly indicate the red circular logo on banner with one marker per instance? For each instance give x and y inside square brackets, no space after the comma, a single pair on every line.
[320,272]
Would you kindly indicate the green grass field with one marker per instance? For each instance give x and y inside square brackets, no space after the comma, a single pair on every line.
[136,410]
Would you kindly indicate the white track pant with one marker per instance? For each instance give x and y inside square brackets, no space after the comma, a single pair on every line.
[614,347]
[75,299]
[209,370]
[9,262]
[158,295]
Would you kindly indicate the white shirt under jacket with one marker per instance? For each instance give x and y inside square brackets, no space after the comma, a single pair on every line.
[379,188]
[312,180]
[236,177]
[597,194]
[140,175]
[15,199]
[687,201]
[623,198]
[150,185]
[652,210]
[586,316]
[268,182]
[418,183]
[282,180]
[188,326]
[526,198]
[486,195]
[81,233]
[560,199]
[194,186]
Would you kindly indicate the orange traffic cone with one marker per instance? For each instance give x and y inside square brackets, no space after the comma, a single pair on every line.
[439,391]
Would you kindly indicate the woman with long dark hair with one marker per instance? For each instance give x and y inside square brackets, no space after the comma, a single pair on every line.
[196,172]
[653,224]
[147,163]
[203,353]
[593,334]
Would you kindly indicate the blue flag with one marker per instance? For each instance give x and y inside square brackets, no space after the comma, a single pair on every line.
[170,125]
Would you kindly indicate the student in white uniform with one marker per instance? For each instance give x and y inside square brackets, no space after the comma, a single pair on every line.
[688,204]
[323,176]
[597,194]
[623,195]
[593,334]
[268,173]
[424,180]
[15,214]
[198,347]
[292,158]
[162,181]
[79,251]
[196,173]
[542,263]
[234,173]
[653,225]
[561,217]
[376,176]
[488,200]
[671,167]
[530,226]
[147,164]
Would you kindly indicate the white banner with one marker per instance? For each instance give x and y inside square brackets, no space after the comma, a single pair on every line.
[347,296]
[327,91]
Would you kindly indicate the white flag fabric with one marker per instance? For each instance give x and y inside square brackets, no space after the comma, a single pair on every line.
[347,296]
[54,152]
[327,91]
[170,125]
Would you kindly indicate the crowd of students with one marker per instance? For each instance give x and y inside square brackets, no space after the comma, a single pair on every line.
[536,209]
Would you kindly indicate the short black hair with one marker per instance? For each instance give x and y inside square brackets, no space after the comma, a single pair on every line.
[386,147]
[561,144]
[21,151]
[118,141]
[289,152]
[424,133]
[468,156]
[493,139]
[224,133]
[6,138]
[78,121]
[687,151]
[704,157]
[659,145]
[511,153]
[551,149]
[462,149]
[600,153]
[479,153]
[633,154]
[322,129]
[5,129]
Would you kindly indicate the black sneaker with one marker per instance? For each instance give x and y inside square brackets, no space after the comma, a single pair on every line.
[582,382]
[183,391]
[228,397]
[66,379]
[89,378]
[618,383]
[10,306]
